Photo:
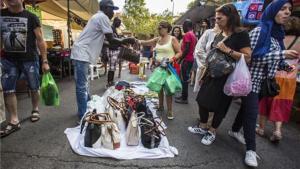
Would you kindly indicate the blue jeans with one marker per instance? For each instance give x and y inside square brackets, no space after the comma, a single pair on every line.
[246,118]
[11,72]
[82,85]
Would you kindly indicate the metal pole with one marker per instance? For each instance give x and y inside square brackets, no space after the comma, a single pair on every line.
[68,23]
[173,8]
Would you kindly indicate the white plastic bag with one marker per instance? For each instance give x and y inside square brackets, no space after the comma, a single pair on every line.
[199,75]
[239,81]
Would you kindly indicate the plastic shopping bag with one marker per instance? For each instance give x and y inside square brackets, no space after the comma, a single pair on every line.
[157,79]
[239,81]
[172,85]
[49,91]
[199,75]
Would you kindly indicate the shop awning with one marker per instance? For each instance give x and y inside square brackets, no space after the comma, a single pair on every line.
[82,8]
[196,14]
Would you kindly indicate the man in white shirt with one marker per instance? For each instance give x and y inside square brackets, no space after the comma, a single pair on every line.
[88,47]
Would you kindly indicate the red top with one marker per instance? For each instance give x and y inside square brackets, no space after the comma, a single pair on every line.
[189,37]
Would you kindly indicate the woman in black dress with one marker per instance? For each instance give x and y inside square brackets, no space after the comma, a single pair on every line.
[234,42]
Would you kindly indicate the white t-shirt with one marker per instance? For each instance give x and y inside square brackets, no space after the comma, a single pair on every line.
[88,46]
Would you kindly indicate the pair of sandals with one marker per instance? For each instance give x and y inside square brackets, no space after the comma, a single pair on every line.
[275,138]
[10,127]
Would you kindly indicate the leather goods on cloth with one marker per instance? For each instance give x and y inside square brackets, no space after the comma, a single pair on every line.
[92,131]
[129,55]
[219,63]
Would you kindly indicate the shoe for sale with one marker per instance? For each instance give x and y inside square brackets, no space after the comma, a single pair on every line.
[208,138]
[181,101]
[170,115]
[250,158]
[197,130]
[237,135]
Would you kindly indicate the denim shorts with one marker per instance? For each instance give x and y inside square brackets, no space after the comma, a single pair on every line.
[11,71]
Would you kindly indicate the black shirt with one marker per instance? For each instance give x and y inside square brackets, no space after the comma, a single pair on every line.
[17,35]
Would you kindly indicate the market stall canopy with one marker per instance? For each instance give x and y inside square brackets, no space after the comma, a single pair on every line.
[196,14]
[82,8]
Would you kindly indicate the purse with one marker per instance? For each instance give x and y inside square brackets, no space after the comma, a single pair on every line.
[219,63]
[132,132]
[269,86]
[129,55]
[110,134]
[92,131]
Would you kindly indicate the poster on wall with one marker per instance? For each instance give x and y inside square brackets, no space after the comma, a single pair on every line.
[250,11]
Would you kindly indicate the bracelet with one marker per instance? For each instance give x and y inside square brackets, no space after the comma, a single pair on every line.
[230,52]
[45,62]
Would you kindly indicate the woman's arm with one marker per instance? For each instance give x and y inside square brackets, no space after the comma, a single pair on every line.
[200,52]
[176,47]
[151,42]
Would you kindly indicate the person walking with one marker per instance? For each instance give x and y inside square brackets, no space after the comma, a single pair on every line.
[200,54]
[21,58]
[235,43]
[268,52]
[88,46]
[278,109]
[187,59]
[166,47]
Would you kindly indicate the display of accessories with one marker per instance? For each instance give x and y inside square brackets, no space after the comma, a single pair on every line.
[57,38]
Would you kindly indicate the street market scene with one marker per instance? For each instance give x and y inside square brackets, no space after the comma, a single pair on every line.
[144,84]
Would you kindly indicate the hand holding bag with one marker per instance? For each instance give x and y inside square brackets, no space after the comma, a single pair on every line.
[239,81]
[129,55]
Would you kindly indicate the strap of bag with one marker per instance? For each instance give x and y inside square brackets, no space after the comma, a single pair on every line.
[293,42]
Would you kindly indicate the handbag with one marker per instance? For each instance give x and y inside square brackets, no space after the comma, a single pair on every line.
[92,131]
[219,63]
[269,86]
[151,130]
[132,132]
[110,134]
[129,55]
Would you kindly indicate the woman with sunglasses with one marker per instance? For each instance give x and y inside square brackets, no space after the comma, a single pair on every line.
[234,42]
[166,46]
[268,53]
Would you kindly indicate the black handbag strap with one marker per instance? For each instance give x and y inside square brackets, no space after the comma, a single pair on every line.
[293,42]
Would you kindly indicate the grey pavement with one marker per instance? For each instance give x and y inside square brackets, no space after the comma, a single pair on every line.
[43,145]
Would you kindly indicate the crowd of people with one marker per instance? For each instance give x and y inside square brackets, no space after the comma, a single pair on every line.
[268,52]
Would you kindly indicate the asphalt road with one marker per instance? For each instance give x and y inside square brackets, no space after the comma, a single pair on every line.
[43,145]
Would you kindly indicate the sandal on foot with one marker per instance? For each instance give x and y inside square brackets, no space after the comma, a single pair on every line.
[276,137]
[259,131]
[35,116]
[10,128]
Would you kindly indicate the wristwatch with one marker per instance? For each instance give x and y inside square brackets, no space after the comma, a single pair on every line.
[230,52]
[45,62]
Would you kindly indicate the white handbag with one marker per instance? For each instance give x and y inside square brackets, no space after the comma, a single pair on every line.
[133,133]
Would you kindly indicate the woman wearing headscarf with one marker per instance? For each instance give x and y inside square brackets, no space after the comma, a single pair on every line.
[278,109]
[268,53]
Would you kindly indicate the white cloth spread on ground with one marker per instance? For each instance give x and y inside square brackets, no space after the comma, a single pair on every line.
[76,139]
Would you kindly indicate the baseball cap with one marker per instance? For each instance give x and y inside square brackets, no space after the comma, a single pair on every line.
[109,3]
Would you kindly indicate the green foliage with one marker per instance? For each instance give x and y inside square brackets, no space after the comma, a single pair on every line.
[138,19]
[192,4]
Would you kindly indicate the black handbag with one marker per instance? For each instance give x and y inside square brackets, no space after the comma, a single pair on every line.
[269,87]
[92,134]
[219,63]
[129,55]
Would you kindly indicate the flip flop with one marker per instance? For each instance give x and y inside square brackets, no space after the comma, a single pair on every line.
[35,116]
[10,128]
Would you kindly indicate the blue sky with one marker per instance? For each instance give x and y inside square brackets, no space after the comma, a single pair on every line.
[158,6]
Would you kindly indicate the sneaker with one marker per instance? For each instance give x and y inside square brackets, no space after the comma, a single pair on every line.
[197,130]
[237,135]
[170,115]
[250,158]
[208,138]
[181,101]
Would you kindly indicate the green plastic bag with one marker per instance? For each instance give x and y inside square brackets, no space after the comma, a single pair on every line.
[157,79]
[49,91]
[172,85]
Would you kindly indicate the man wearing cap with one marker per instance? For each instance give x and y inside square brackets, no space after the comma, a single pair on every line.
[87,48]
